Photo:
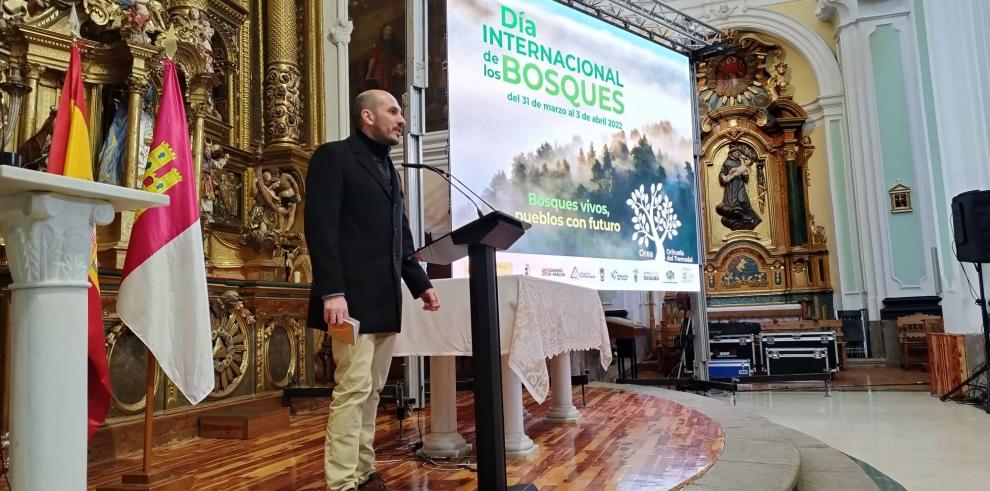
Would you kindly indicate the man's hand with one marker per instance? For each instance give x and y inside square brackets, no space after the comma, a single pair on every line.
[430,300]
[335,310]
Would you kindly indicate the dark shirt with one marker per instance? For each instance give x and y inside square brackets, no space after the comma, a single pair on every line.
[380,153]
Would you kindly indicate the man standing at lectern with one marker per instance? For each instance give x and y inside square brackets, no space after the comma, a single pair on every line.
[359,240]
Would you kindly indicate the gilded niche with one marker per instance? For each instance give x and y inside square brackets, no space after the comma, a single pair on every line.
[759,229]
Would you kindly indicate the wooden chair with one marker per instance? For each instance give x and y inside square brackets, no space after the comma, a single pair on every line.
[912,332]
[665,345]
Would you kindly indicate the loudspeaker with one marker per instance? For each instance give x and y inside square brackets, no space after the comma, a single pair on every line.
[971,226]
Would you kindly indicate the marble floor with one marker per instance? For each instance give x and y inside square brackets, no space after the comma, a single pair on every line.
[920,442]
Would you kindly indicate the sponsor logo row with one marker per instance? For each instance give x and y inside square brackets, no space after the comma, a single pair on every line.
[614,274]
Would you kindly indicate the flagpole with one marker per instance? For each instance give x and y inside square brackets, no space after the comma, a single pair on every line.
[163,480]
[149,410]
[145,479]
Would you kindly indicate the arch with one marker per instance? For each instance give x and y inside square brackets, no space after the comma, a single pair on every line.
[806,41]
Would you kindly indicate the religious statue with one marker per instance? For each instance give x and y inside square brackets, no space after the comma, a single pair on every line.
[13,12]
[289,196]
[214,160]
[262,216]
[285,255]
[110,161]
[228,197]
[136,19]
[780,86]
[276,195]
[206,42]
[735,209]
[193,26]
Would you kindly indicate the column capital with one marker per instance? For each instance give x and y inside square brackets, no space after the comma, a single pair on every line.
[33,71]
[842,13]
[839,12]
[340,32]
[137,82]
[50,237]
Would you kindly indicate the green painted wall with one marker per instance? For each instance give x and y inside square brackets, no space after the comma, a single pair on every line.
[907,249]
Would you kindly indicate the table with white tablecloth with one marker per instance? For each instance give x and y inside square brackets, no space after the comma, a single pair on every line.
[539,320]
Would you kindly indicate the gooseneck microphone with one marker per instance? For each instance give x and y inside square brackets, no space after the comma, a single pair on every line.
[461,189]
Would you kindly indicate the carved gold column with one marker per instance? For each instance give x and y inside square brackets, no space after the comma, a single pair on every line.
[144,59]
[137,85]
[315,116]
[282,78]
[31,73]
[200,103]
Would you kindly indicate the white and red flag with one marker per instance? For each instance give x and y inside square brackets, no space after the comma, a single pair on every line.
[163,296]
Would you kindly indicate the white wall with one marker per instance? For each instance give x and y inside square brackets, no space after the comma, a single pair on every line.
[959,49]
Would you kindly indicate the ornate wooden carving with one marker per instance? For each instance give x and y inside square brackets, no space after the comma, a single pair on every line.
[760,233]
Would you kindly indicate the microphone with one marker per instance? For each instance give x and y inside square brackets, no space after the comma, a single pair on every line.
[447,177]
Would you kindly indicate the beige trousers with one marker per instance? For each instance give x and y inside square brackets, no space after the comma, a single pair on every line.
[349,454]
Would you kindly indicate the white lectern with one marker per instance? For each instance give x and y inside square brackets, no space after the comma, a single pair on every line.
[47,222]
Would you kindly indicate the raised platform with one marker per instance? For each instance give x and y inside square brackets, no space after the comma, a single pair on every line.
[243,423]
[628,438]
[762,456]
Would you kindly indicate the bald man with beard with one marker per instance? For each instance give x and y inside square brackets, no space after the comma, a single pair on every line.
[359,243]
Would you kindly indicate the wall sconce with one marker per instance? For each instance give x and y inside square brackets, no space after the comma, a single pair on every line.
[15,89]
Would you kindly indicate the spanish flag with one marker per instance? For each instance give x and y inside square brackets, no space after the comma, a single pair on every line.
[70,156]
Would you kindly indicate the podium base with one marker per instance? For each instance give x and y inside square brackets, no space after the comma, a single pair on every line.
[156,481]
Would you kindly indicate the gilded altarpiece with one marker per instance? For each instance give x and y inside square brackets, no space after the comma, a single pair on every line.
[254,111]
[763,246]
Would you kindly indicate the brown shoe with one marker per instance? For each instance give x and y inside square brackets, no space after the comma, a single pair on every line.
[374,483]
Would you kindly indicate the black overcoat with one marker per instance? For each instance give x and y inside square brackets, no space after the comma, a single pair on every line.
[358,237]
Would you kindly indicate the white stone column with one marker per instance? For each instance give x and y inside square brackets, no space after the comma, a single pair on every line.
[49,238]
[443,440]
[562,410]
[336,58]
[48,223]
[846,243]
[517,444]
[884,147]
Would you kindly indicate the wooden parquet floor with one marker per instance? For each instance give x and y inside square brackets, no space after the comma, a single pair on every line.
[624,441]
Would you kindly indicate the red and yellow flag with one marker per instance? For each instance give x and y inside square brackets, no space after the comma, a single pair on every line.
[70,156]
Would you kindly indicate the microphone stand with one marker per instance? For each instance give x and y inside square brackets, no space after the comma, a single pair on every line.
[446,176]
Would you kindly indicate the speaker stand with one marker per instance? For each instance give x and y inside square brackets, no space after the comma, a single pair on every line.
[985,367]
